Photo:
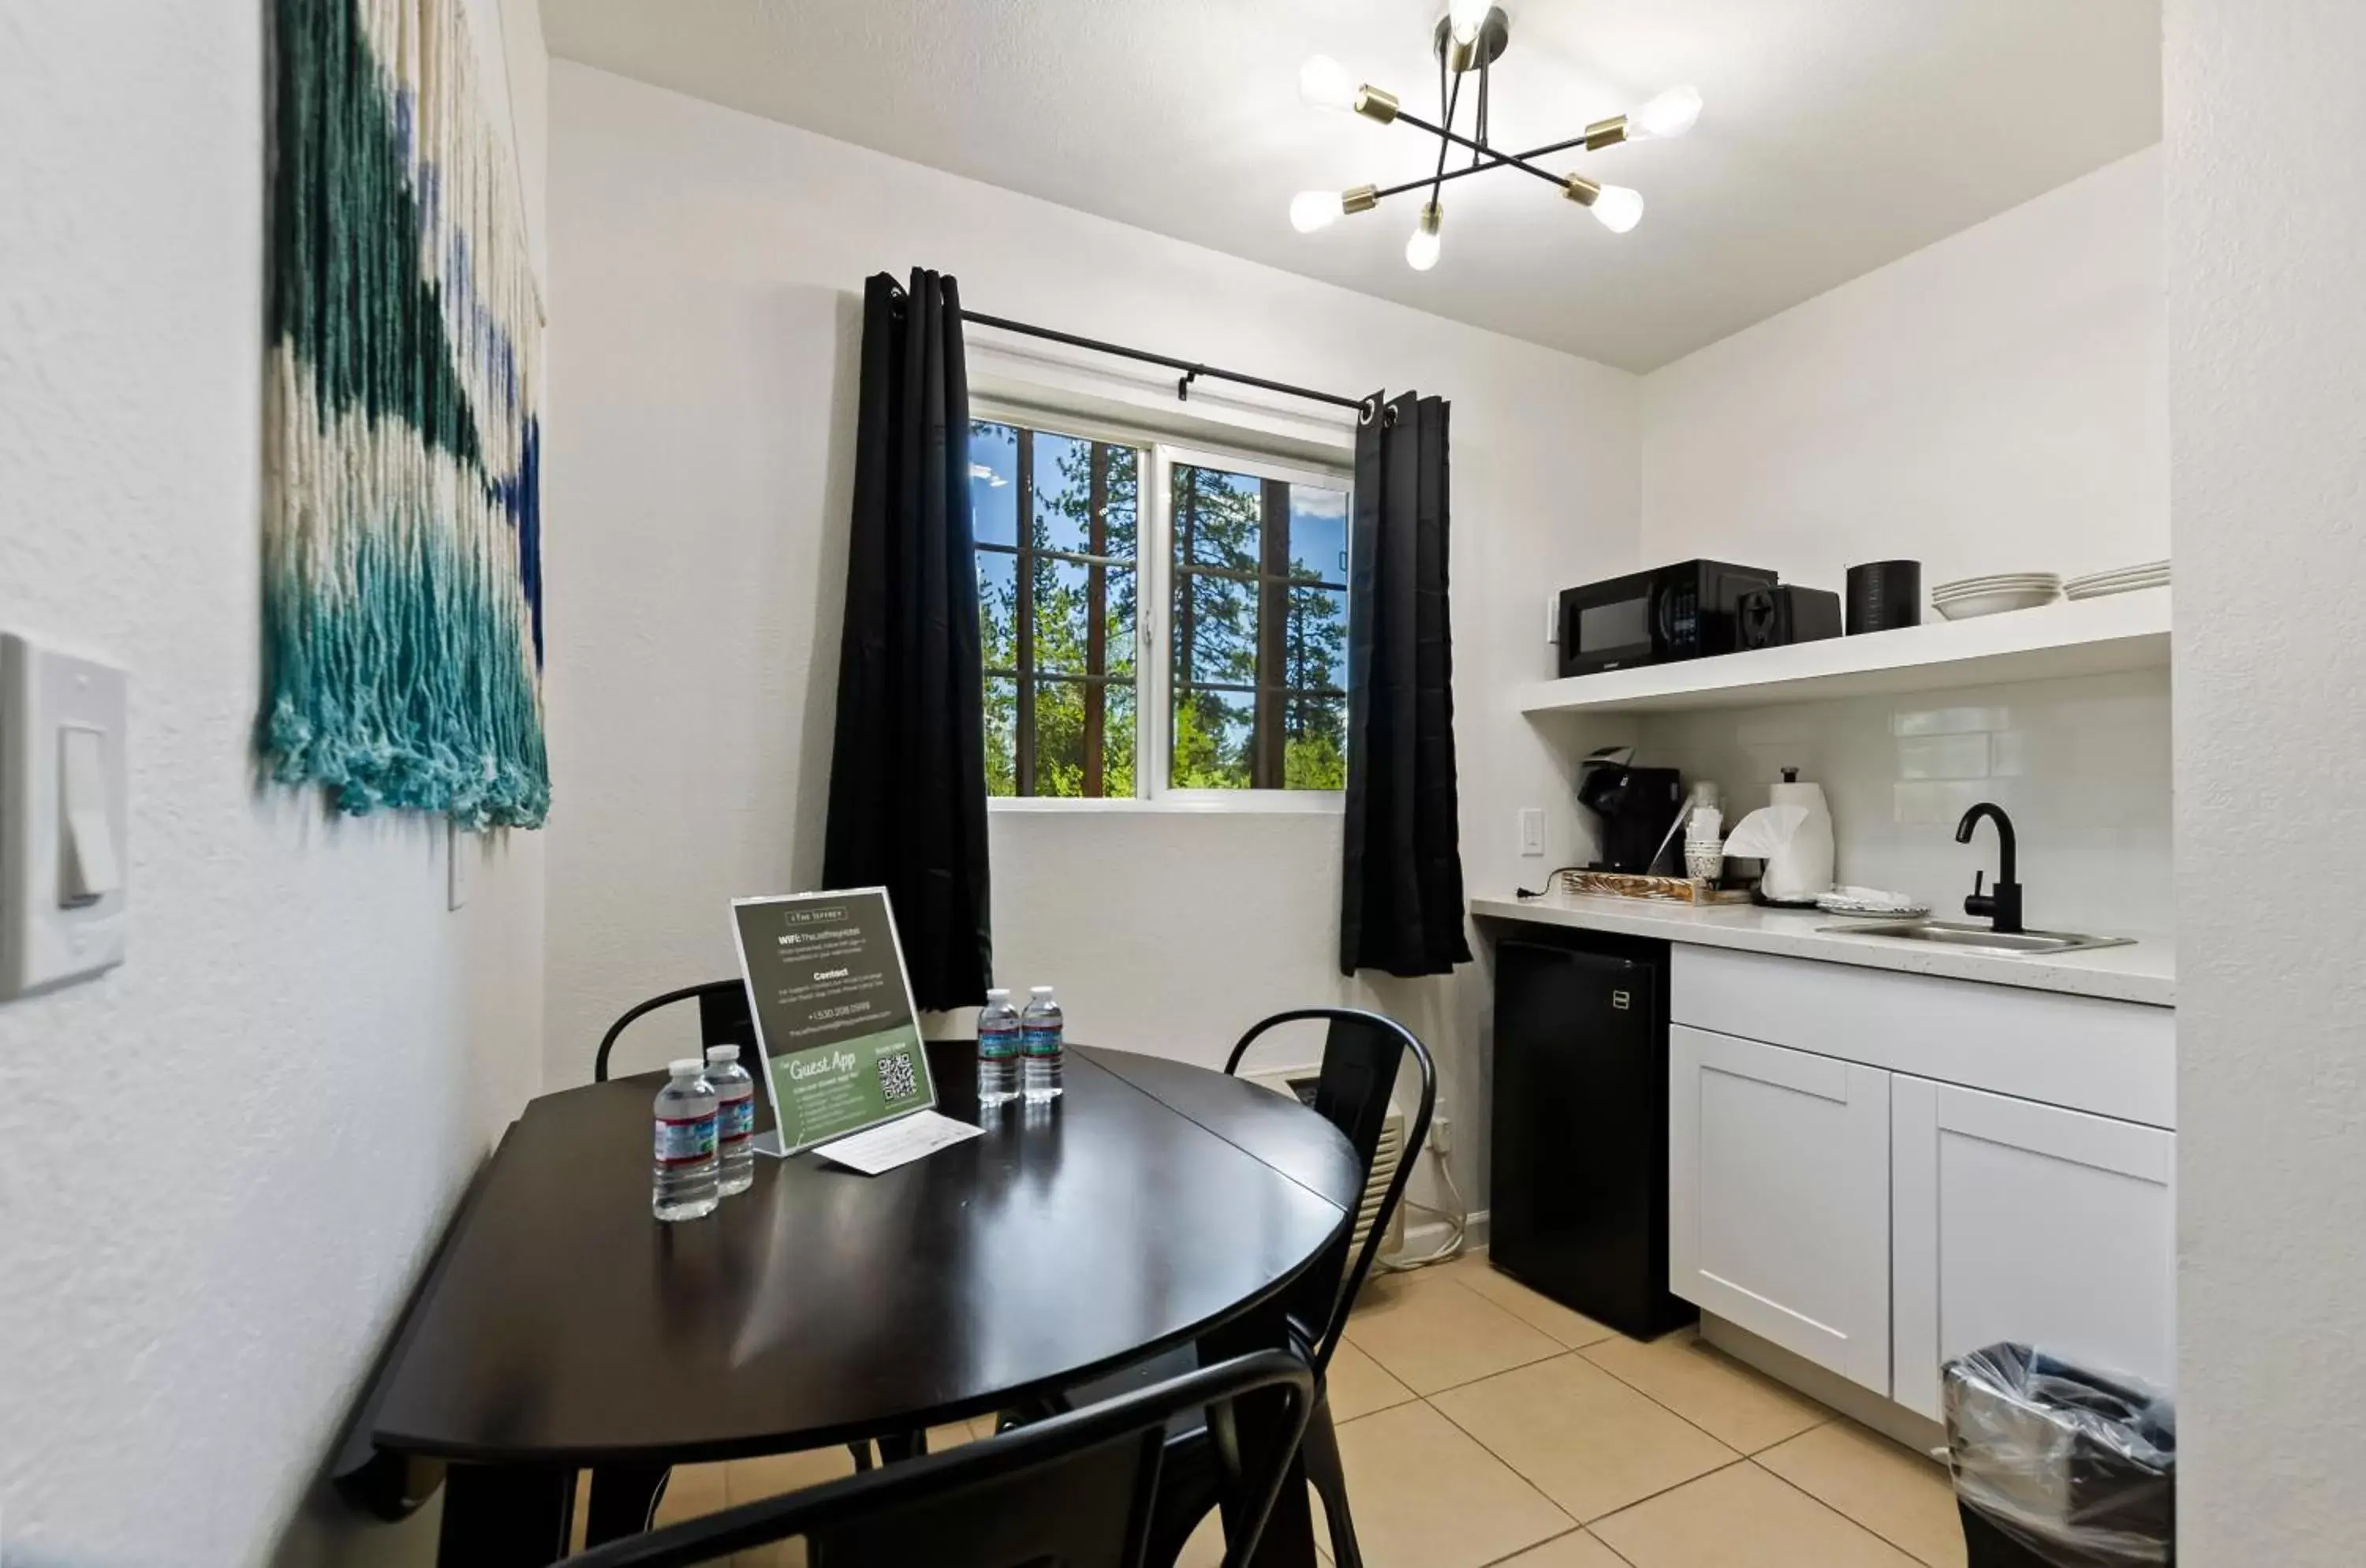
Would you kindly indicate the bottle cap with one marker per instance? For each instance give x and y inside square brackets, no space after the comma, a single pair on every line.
[686,1067]
[997,995]
[1039,990]
[723,1052]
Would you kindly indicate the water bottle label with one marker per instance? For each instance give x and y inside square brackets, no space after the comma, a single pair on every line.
[998,1044]
[736,1119]
[687,1141]
[1044,1042]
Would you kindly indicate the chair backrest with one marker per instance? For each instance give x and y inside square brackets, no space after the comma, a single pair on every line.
[1361,1054]
[724,1019]
[1075,1491]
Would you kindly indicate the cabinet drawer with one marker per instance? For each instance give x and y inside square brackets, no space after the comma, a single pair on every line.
[2115,1059]
[1778,1197]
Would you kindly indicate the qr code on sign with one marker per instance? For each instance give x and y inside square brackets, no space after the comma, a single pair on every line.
[896,1080]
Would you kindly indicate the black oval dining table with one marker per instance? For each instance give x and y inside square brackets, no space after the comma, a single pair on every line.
[560,1327]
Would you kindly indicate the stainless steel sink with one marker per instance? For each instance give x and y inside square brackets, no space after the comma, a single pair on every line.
[1979,939]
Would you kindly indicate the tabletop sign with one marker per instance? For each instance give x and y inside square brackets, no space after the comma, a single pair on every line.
[835,1023]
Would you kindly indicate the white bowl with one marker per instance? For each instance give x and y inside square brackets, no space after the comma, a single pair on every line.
[1968,607]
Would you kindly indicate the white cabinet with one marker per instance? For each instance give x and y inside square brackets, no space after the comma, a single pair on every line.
[1778,1197]
[2020,1221]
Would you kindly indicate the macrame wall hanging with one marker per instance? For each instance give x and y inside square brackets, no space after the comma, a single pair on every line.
[403,573]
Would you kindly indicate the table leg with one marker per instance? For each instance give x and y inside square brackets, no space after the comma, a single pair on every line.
[495,1516]
[623,1500]
[1256,1428]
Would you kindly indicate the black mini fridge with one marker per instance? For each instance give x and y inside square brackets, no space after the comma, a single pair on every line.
[1579,1189]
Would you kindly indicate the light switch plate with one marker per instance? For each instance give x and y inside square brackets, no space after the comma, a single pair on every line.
[64,814]
[1532,831]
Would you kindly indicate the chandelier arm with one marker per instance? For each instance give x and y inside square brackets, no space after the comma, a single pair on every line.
[1502,160]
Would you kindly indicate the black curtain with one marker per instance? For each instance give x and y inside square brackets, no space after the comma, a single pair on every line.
[1400,886]
[907,770]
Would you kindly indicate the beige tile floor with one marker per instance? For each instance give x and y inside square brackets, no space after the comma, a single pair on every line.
[1484,1427]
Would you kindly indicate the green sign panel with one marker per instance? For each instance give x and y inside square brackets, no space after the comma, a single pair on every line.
[834,1017]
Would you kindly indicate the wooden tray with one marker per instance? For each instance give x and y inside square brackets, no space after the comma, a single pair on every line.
[1664,890]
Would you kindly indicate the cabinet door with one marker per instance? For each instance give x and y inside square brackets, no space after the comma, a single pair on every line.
[2020,1221]
[1778,1197]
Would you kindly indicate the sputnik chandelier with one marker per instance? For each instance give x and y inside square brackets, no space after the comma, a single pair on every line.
[1472,37]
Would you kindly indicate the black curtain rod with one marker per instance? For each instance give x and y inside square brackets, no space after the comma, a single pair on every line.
[1365,407]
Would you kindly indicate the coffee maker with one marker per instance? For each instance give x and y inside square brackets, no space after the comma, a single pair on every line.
[1637,805]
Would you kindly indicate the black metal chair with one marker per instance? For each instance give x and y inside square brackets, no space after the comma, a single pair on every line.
[1361,1055]
[1076,1491]
[724,1019]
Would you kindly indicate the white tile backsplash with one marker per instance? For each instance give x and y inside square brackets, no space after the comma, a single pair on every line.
[2081,765]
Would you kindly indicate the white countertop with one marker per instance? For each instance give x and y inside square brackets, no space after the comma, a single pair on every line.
[2145,972]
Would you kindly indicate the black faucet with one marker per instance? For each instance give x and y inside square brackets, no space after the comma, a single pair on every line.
[2001,905]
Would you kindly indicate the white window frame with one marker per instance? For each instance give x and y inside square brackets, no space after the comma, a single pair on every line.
[1154,600]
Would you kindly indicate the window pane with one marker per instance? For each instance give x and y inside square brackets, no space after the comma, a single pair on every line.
[997,608]
[1318,533]
[1064,618]
[1001,735]
[1314,743]
[1314,644]
[1084,738]
[1215,630]
[1124,508]
[1213,735]
[994,482]
[1216,517]
[1063,479]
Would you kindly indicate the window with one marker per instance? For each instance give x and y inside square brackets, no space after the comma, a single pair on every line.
[1157,622]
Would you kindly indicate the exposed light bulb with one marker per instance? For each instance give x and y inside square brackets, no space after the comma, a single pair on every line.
[1467,17]
[1617,208]
[1421,249]
[1313,209]
[1324,83]
[1668,114]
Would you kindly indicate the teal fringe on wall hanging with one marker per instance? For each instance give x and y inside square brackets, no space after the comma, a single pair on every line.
[403,575]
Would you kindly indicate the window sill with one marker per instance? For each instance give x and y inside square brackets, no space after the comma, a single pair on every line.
[1183,803]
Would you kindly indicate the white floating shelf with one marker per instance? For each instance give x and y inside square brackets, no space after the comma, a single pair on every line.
[2093,636]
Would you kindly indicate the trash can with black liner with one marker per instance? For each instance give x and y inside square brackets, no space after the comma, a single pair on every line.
[2059,1467]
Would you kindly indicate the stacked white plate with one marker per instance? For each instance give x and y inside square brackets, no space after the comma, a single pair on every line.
[2125,580]
[1970,596]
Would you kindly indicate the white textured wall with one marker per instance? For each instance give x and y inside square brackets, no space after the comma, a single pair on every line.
[709,267]
[306,1055]
[2268,391]
[1993,402]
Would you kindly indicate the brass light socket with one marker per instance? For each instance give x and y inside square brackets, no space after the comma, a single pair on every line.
[1376,103]
[1581,190]
[1363,198]
[1606,133]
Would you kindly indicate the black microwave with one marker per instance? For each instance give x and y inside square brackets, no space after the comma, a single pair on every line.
[1655,618]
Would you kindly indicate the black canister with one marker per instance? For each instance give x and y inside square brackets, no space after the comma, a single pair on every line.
[1884,594]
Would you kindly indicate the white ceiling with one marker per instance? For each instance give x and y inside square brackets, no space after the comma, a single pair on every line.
[1838,134]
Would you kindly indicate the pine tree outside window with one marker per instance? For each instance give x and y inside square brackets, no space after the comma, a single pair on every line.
[1159,623]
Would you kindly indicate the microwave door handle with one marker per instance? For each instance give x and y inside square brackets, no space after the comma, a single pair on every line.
[1662,595]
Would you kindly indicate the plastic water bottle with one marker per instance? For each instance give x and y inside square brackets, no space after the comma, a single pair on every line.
[735,1120]
[998,1051]
[682,1181]
[1040,1044]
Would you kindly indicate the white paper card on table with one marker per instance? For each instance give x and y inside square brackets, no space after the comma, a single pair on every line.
[898,1142]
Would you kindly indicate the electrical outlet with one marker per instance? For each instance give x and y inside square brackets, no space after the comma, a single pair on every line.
[1532,831]
[1552,620]
[1441,1134]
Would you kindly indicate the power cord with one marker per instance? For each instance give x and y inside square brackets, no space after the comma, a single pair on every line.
[1457,1219]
